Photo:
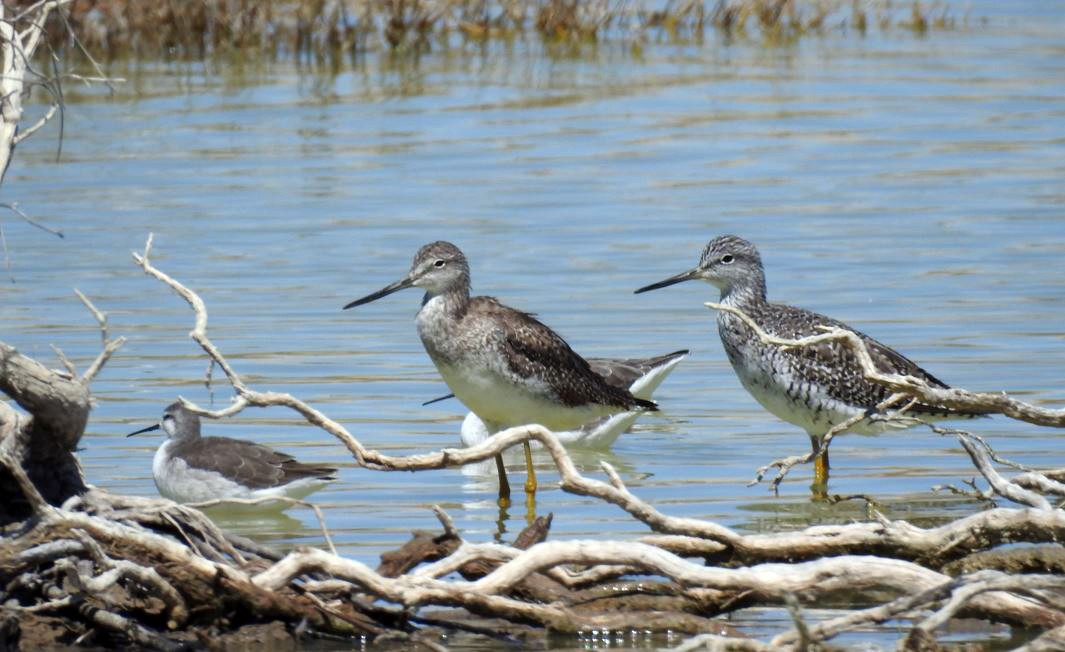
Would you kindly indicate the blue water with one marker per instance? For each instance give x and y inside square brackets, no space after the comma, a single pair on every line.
[910,186]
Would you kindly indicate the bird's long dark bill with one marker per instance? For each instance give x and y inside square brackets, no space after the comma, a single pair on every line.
[401,284]
[142,430]
[689,275]
[438,399]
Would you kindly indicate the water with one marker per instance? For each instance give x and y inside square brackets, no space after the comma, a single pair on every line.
[910,186]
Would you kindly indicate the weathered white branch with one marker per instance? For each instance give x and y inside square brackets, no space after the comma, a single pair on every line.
[1001,485]
[32,129]
[960,591]
[68,366]
[116,570]
[983,582]
[769,582]
[16,52]
[37,502]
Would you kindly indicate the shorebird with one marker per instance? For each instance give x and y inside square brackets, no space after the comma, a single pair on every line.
[814,387]
[641,376]
[189,468]
[504,365]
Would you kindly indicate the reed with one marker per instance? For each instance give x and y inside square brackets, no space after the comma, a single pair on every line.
[323,30]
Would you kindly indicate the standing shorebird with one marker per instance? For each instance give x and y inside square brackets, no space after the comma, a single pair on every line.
[814,387]
[503,364]
[189,468]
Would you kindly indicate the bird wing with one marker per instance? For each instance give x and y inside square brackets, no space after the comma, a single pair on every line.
[623,372]
[534,350]
[250,464]
[833,365]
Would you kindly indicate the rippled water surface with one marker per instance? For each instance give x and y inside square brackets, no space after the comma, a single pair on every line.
[911,186]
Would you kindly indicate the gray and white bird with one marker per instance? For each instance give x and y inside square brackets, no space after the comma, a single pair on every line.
[190,468]
[814,387]
[504,365]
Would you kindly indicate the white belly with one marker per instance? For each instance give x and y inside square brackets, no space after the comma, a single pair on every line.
[810,409]
[597,434]
[181,483]
[501,402]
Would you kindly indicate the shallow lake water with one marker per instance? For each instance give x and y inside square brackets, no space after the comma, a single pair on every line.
[912,186]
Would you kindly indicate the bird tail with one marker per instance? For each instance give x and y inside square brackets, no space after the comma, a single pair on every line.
[645,405]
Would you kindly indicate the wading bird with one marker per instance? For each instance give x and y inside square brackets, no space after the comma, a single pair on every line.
[504,365]
[814,387]
[189,468]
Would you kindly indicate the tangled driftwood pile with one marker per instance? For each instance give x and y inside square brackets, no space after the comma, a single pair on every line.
[119,570]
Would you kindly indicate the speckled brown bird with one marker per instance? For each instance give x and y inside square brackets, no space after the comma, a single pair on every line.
[814,387]
[503,364]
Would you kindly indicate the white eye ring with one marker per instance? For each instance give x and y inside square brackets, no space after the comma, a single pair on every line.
[727,259]
[439,263]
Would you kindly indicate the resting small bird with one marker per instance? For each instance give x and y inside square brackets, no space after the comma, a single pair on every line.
[814,387]
[189,468]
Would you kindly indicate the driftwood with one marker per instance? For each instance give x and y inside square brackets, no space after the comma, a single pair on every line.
[136,571]
[20,34]
[41,444]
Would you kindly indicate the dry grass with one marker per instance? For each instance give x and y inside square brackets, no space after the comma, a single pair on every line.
[328,29]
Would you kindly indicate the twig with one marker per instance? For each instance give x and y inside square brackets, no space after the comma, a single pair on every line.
[109,345]
[445,520]
[801,628]
[985,496]
[32,129]
[1001,485]
[101,317]
[37,502]
[118,569]
[13,207]
[785,464]
[72,373]
[983,582]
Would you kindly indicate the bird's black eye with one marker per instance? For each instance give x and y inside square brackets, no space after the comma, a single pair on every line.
[727,259]
[439,263]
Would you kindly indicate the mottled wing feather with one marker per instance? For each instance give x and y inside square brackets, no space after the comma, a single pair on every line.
[250,464]
[533,349]
[834,366]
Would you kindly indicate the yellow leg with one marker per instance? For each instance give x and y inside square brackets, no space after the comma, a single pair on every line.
[820,463]
[530,508]
[504,484]
[530,480]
